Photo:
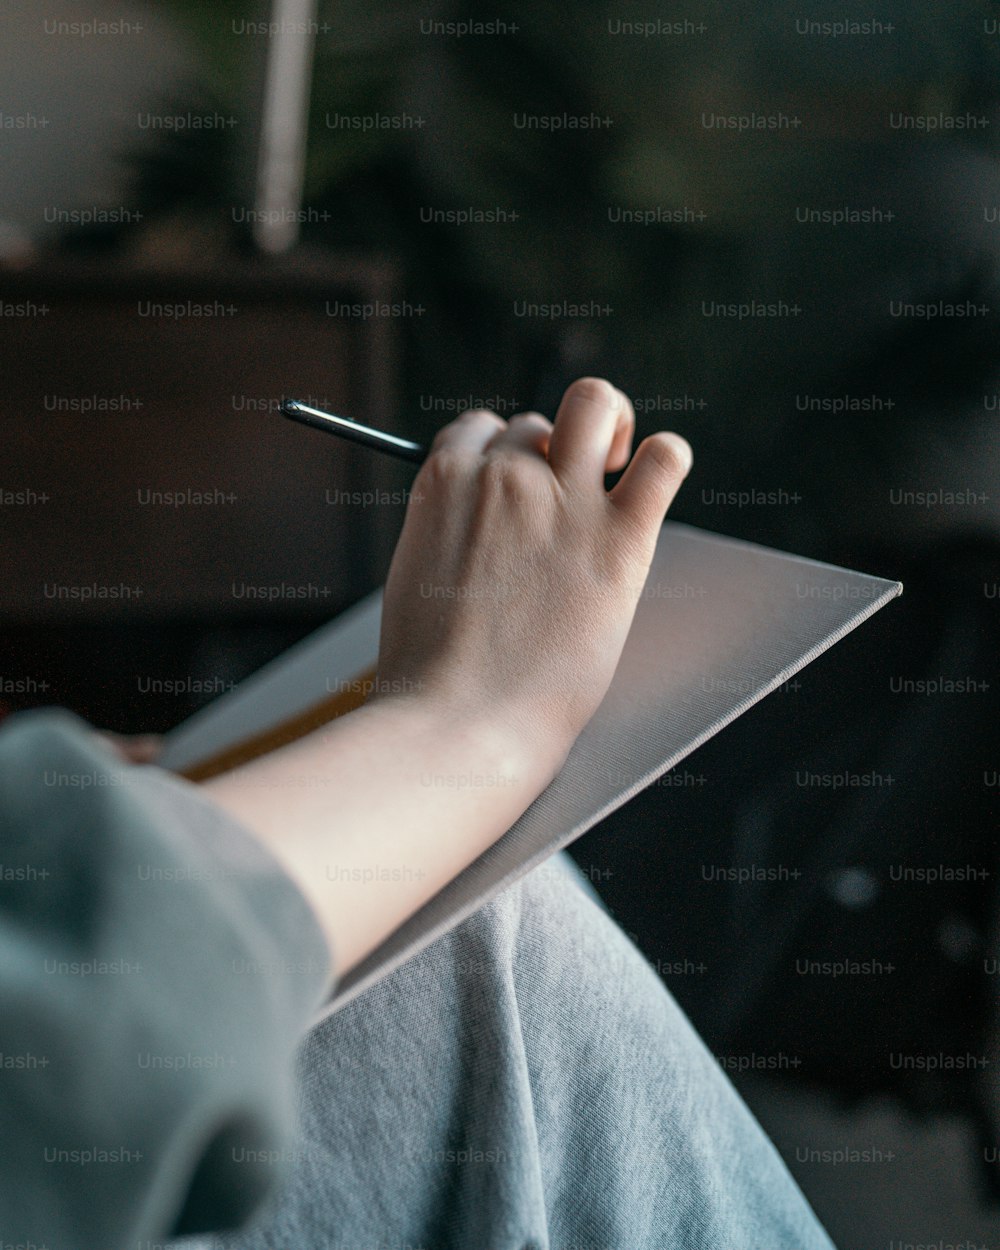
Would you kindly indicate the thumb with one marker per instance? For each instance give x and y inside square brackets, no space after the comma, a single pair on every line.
[647,488]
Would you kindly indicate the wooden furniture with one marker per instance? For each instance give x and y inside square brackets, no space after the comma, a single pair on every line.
[146,472]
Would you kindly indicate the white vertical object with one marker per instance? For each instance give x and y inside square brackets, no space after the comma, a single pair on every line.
[284,125]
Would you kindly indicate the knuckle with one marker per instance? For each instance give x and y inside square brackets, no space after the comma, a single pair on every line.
[467,417]
[530,419]
[595,391]
[443,468]
[485,416]
[507,478]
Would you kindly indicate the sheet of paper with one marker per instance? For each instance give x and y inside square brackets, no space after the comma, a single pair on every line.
[720,624]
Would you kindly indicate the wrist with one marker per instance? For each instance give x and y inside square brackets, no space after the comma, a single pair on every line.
[499,747]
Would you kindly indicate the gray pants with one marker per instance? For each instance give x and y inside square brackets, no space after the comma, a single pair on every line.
[526,1082]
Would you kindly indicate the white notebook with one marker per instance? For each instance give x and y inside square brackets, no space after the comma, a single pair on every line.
[720,624]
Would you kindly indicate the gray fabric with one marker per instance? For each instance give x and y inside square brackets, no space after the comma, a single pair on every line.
[157,968]
[526,1083]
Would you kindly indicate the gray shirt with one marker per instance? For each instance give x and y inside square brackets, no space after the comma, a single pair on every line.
[157,969]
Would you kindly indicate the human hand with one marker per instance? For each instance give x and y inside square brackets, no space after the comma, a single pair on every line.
[516,576]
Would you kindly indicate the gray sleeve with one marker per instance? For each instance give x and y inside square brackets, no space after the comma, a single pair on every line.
[157,970]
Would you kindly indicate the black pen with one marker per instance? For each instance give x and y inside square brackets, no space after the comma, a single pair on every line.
[404,448]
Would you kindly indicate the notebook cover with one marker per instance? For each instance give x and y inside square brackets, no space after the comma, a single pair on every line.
[720,624]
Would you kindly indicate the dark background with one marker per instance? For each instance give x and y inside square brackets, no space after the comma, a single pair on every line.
[840,408]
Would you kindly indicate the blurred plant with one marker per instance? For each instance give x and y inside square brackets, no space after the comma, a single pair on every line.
[373,188]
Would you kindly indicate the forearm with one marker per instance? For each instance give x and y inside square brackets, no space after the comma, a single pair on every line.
[541,568]
[373,814]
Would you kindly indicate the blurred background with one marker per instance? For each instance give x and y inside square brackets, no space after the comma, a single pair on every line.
[778,228]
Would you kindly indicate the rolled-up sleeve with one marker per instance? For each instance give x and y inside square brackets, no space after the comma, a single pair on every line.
[157,968]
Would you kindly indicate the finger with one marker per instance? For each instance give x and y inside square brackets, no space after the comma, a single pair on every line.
[584,432]
[470,431]
[647,488]
[621,444]
[528,431]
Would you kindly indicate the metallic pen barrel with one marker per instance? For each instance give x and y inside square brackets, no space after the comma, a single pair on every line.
[344,427]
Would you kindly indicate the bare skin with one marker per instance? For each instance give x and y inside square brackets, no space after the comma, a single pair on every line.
[509,598]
